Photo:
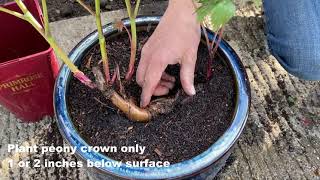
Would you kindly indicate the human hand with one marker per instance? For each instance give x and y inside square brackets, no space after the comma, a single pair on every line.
[175,40]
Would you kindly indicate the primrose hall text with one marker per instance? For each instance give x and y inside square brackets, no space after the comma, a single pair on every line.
[21,83]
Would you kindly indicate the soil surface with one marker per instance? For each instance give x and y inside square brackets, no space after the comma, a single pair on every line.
[64,9]
[193,125]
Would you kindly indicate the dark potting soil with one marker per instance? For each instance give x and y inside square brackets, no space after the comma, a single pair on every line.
[192,126]
[64,9]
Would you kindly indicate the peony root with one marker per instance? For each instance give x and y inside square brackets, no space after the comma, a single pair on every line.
[132,111]
[128,107]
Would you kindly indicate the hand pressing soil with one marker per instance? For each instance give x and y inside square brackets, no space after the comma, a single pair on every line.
[184,129]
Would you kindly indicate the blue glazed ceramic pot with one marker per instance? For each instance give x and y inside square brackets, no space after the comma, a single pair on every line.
[202,166]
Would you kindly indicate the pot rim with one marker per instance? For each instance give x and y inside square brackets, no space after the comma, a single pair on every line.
[178,170]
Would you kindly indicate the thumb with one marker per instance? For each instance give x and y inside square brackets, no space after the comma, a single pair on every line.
[187,72]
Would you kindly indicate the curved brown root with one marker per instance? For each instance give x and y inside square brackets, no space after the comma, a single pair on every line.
[128,107]
[132,111]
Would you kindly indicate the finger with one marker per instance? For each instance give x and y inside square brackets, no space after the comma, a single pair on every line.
[167,77]
[143,64]
[167,84]
[187,72]
[161,91]
[151,80]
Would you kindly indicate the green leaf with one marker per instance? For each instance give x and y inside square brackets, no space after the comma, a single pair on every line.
[220,12]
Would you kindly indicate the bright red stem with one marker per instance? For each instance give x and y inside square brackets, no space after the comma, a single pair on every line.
[107,73]
[84,79]
[130,72]
[206,37]
[114,77]
[128,32]
[131,64]
[212,54]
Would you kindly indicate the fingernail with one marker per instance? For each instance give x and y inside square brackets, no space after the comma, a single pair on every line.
[192,91]
[141,103]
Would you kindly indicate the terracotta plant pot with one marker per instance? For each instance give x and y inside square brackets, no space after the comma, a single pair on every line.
[204,165]
[28,66]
